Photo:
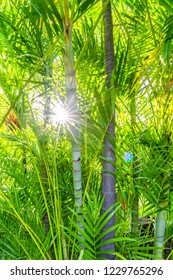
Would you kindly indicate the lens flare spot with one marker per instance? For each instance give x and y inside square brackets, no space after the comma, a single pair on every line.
[59,114]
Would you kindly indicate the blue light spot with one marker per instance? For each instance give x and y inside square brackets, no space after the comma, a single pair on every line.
[128,156]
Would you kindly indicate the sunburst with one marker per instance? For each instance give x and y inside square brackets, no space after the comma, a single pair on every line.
[60,114]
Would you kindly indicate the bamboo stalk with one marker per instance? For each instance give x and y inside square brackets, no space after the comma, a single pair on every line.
[73,112]
[160,233]
[135,203]
[47,74]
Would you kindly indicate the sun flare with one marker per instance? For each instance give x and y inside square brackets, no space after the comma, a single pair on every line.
[60,114]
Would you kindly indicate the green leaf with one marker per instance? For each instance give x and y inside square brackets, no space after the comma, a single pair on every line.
[167,4]
[82,7]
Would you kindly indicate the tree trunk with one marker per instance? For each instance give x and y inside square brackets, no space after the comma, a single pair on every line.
[108,178]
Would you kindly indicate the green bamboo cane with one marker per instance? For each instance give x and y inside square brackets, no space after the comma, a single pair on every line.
[73,112]
[160,233]
[161,218]
[135,203]
[160,228]
[47,74]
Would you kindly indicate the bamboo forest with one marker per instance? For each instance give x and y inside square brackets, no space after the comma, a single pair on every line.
[86,119]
